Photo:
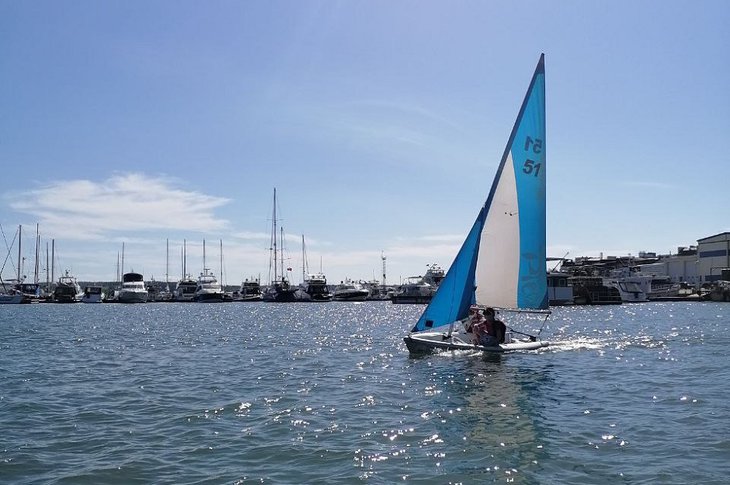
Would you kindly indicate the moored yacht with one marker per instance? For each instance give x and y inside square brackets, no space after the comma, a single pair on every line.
[32,292]
[9,294]
[414,290]
[11,298]
[279,289]
[93,294]
[250,291]
[185,289]
[419,289]
[315,288]
[280,292]
[67,290]
[631,288]
[350,291]
[208,289]
[133,289]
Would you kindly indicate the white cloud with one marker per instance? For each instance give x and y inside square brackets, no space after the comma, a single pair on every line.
[87,210]
[254,236]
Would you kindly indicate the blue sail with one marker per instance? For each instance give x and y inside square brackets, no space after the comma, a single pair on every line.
[511,264]
[455,294]
[528,154]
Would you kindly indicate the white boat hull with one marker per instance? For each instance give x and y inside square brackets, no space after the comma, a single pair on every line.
[132,297]
[428,342]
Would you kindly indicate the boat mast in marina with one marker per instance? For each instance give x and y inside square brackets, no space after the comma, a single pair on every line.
[273,243]
[48,281]
[37,254]
[279,289]
[167,265]
[20,253]
[305,269]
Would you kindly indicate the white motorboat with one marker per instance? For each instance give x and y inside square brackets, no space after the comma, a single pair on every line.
[350,291]
[133,289]
[185,289]
[208,289]
[250,290]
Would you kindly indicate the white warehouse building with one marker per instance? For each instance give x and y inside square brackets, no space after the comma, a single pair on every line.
[707,262]
[714,257]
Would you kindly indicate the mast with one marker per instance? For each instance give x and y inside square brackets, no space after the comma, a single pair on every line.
[185,258]
[273,237]
[221,251]
[167,263]
[382,256]
[37,253]
[204,268]
[20,253]
[304,261]
[122,271]
[281,230]
[53,260]
[48,281]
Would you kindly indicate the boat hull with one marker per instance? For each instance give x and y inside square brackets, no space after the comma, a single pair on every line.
[411,299]
[350,296]
[281,296]
[429,342]
[209,297]
[12,299]
[132,297]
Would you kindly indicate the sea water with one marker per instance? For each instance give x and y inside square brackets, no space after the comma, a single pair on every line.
[327,393]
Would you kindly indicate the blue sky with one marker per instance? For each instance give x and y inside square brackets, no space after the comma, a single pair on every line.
[380,123]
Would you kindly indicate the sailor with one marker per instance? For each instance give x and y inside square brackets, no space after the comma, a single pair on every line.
[497,328]
[472,322]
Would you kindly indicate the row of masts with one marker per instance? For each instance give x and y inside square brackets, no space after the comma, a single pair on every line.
[50,276]
[276,262]
[183,261]
[51,260]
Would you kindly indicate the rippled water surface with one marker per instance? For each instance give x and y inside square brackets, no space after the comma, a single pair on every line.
[327,393]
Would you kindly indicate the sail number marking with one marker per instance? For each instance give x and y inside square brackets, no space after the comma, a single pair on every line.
[536,145]
[531,167]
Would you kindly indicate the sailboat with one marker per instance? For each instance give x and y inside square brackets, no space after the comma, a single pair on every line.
[501,263]
[279,289]
[208,289]
[187,286]
[314,285]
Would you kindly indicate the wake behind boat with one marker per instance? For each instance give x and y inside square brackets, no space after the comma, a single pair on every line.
[501,264]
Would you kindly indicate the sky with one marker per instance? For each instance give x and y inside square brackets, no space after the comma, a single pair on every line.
[379,123]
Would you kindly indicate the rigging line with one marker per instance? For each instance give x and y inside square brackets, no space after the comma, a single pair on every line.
[543,324]
[8,255]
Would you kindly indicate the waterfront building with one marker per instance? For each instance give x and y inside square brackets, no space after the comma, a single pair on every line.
[714,258]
